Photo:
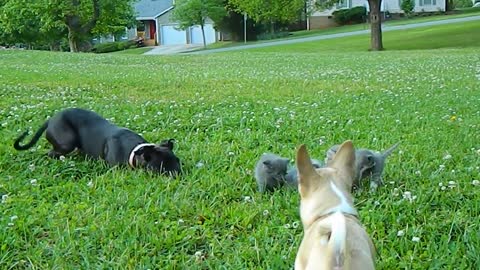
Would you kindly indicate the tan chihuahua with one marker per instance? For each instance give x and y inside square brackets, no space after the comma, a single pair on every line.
[333,236]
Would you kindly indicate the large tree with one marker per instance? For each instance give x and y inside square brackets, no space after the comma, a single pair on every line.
[20,23]
[376,42]
[83,18]
[270,11]
[196,12]
[28,21]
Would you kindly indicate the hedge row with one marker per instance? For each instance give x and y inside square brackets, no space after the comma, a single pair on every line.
[350,16]
[113,46]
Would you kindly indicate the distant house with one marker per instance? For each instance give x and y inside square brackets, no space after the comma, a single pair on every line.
[324,19]
[157,28]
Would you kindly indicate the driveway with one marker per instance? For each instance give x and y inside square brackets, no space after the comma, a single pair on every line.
[385,28]
[173,49]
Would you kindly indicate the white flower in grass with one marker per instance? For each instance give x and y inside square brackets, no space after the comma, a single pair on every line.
[376,203]
[31,167]
[443,188]
[400,233]
[33,182]
[287,226]
[231,153]
[90,184]
[181,222]
[10,224]
[447,157]
[199,165]
[416,239]
[62,158]
[12,218]
[4,198]
[441,167]
[452,184]
[474,182]
[266,212]
[199,255]
[407,195]
[295,224]
[247,199]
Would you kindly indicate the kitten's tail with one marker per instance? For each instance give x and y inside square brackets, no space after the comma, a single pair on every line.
[389,151]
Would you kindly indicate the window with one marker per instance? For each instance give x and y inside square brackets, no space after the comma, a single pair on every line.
[344,4]
[427,2]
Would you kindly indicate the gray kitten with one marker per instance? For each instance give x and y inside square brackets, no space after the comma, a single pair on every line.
[369,164]
[292,176]
[270,172]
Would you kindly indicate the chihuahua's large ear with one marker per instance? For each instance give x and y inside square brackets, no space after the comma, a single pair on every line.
[305,169]
[344,160]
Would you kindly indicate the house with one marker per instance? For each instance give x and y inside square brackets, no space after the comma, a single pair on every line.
[156,26]
[324,19]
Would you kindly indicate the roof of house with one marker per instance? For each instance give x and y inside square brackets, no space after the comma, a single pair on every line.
[150,9]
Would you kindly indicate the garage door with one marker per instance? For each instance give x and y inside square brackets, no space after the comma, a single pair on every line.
[171,36]
[196,33]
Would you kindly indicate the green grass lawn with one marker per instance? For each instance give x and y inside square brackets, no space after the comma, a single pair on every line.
[225,110]
[458,35]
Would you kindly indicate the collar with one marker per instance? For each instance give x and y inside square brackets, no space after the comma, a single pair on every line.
[322,216]
[131,158]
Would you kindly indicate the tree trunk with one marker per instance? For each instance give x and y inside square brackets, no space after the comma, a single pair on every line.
[375,25]
[72,42]
[77,30]
[203,36]
[449,6]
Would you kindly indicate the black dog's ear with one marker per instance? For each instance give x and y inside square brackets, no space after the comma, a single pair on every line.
[145,153]
[167,143]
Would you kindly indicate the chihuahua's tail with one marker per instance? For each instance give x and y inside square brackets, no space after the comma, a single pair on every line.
[337,241]
[34,140]
[389,151]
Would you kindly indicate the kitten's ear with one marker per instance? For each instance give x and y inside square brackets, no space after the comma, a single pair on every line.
[267,163]
[371,160]
[332,151]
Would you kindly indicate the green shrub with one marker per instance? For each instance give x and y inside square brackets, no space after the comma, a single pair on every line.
[267,35]
[113,46]
[407,6]
[350,16]
[462,3]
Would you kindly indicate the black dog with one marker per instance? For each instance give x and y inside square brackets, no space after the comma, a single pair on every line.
[98,138]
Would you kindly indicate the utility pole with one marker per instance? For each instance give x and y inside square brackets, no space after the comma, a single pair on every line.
[245,27]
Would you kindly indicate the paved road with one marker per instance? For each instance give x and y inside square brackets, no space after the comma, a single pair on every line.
[385,28]
[173,49]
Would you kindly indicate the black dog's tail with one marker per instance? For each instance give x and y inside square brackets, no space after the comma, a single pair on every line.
[34,140]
